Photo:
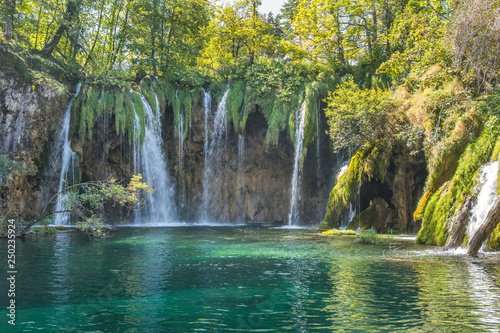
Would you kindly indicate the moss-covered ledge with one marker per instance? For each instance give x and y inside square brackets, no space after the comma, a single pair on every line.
[370,162]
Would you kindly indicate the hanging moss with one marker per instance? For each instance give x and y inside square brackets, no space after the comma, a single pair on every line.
[369,162]
[148,93]
[444,163]
[170,93]
[128,107]
[139,110]
[176,106]
[119,112]
[76,106]
[235,102]
[218,89]
[450,198]
[89,111]
[183,104]
[160,88]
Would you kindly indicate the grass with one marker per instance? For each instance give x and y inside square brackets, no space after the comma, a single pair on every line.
[369,237]
[338,232]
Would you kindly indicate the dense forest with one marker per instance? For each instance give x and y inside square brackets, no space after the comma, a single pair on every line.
[399,81]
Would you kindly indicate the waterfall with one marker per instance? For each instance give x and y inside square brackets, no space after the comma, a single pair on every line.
[300,120]
[215,144]
[68,158]
[180,135]
[318,159]
[149,160]
[348,216]
[488,177]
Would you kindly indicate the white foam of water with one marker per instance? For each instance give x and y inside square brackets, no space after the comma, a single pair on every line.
[300,120]
[488,178]
[68,159]
[215,144]
[149,160]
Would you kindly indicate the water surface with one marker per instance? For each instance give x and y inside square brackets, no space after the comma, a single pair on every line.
[217,279]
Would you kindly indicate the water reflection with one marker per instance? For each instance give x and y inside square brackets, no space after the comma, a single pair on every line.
[485,294]
[223,279]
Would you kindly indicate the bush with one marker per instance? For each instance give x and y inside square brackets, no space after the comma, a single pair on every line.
[369,237]
[357,116]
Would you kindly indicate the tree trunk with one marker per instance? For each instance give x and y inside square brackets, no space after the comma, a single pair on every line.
[485,230]
[69,17]
[89,56]
[9,10]
[457,230]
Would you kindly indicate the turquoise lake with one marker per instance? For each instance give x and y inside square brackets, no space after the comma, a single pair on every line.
[245,279]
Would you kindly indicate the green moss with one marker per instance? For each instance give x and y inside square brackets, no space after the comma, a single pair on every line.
[218,89]
[183,106]
[444,162]
[89,111]
[160,88]
[445,202]
[234,103]
[170,93]
[335,232]
[139,110]
[494,239]
[129,113]
[370,162]
[119,112]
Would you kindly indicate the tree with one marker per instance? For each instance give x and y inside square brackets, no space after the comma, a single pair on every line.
[476,40]
[237,35]
[69,18]
[86,201]
[357,116]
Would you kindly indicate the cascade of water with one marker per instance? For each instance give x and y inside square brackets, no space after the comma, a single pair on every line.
[300,117]
[488,178]
[180,135]
[215,143]
[68,163]
[348,216]
[149,160]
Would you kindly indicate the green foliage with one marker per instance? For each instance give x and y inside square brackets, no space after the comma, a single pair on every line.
[183,106]
[87,202]
[160,88]
[369,237]
[235,102]
[357,116]
[335,232]
[148,93]
[443,204]
[141,113]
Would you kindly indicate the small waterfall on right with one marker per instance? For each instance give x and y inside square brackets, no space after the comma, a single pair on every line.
[180,135]
[215,144]
[68,157]
[300,120]
[488,178]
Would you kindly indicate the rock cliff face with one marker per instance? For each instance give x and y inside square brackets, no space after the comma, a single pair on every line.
[29,117]
[251,187]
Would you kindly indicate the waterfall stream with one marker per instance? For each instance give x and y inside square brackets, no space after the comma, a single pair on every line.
[180,135]
[67,163]
[300,117]
[488,178]
[215,144]
[149,160]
